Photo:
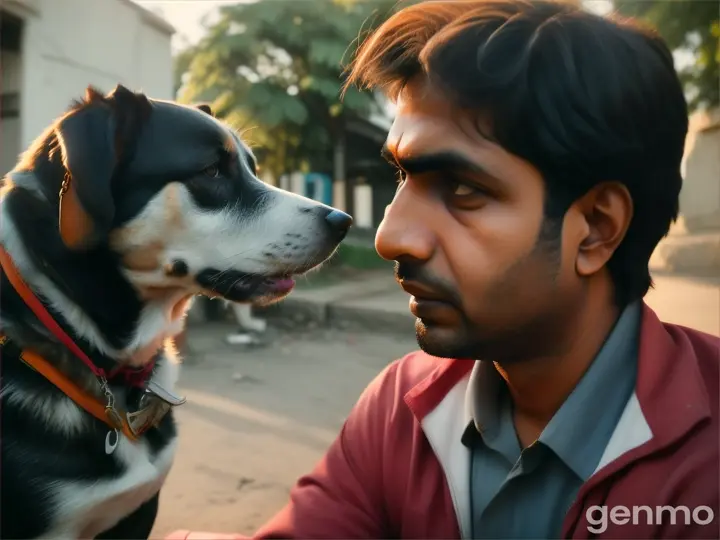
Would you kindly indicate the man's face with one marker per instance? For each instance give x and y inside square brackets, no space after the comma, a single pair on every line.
[489,278]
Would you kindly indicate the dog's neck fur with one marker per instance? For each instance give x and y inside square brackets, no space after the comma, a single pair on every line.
[86,293]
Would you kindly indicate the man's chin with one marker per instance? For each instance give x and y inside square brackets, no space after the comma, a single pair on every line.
[443,341]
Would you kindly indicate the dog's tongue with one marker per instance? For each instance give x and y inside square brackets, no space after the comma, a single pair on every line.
[282,285]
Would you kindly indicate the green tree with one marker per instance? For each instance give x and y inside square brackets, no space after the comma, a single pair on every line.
[692,25]
[275,66]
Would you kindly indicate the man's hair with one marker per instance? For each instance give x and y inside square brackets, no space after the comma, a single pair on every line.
[584,98]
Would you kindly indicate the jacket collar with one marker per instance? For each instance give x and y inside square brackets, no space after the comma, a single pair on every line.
[669,386]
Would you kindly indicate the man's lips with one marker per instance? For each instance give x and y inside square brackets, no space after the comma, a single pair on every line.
[426,303]
[421,292]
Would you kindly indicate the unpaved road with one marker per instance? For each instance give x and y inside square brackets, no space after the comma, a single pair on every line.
[255,421]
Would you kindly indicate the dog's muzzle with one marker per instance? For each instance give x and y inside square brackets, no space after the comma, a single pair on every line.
[239,286]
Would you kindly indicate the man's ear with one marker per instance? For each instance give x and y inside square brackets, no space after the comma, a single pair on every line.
[90,140]
[607,211]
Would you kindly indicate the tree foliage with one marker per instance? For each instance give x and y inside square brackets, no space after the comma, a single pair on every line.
[275,66]
[693,25]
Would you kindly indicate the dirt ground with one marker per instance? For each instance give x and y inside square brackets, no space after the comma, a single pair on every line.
[256,420]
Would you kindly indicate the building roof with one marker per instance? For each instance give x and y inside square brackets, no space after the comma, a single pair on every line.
[153,19]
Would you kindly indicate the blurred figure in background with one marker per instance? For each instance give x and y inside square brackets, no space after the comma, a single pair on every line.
[249,327]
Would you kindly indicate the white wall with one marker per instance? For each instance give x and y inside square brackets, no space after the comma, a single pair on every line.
[700,195]
[297,183]
[339,194]
[70,44]
[363,214]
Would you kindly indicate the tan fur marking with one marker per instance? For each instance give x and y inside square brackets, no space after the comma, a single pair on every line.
[173,208]
[179,308]
[145,258]
[229,145]
[158,293]
[75,224]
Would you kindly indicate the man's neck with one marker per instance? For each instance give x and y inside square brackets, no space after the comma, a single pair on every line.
[540,386]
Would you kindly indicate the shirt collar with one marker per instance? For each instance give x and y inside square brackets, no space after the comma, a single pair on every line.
[571,433]
[582,427]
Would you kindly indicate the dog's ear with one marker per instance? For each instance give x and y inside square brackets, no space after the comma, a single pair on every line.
[92,139]
[204,107]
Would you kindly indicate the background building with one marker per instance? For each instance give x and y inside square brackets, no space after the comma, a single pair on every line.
[51,50]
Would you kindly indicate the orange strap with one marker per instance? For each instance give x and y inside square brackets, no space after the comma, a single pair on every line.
[74,392]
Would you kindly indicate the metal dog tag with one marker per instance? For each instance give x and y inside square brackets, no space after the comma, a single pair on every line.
[152,408]
[111,441]
[169,397]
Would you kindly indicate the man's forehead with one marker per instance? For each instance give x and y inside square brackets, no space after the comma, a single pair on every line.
[413,133]
[430,126]
[421,116]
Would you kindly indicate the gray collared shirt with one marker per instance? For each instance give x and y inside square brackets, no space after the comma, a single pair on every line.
[526,493]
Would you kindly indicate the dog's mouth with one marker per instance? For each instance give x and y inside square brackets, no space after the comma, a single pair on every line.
[237,286]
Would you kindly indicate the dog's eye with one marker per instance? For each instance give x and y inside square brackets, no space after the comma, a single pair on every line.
[213,171]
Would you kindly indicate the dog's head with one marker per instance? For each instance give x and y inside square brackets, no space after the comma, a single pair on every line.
[174,193]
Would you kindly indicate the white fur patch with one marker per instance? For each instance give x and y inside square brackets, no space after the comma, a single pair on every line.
[85,509]
[61,414]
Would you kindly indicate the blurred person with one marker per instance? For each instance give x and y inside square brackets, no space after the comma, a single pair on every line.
[250,328]
[538,150]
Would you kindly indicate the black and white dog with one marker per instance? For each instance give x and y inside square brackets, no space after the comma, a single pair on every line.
[116,216]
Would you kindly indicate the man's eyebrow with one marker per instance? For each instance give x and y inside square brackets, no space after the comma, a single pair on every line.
[388,155]
[440,161]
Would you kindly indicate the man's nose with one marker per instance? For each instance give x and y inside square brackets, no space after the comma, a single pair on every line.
[406,229]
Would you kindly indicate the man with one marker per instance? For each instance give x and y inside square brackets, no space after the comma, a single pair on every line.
[538,150]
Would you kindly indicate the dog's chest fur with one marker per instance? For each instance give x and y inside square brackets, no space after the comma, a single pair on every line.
[86,509]
[58,482]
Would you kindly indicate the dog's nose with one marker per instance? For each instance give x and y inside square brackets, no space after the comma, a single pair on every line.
[339,221]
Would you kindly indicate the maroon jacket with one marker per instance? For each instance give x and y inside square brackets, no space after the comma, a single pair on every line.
[399,470]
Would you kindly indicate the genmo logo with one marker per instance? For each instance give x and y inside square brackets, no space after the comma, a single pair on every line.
[599,517]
